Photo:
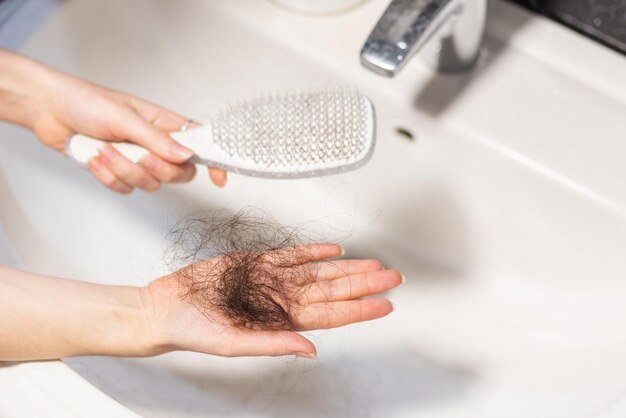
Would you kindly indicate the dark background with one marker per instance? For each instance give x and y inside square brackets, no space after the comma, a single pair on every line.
[601,20]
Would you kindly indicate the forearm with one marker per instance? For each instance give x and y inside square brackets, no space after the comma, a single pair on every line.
[22,84]
[46,318]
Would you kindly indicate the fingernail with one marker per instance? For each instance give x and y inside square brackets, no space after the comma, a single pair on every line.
[150,162]
[343,251]
[218,178]
[126,190]
[107,152]
[311,356]
[403,278]
[181,152]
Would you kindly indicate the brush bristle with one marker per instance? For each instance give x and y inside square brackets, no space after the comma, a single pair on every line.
[305,129]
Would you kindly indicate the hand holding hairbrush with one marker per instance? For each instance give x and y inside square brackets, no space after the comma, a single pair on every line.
[288,135]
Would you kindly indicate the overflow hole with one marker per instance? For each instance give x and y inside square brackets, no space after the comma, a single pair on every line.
[405,134]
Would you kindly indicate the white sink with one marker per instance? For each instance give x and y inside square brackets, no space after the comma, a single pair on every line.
[506,212]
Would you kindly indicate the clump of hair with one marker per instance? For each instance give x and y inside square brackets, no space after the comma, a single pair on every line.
[243,266]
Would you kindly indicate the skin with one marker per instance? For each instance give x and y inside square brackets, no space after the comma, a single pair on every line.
[55,106]
[46,318]
[98,319]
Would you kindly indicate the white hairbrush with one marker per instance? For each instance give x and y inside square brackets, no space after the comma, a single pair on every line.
[289,135]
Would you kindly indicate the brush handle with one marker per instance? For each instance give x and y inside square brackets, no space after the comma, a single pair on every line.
[81,148]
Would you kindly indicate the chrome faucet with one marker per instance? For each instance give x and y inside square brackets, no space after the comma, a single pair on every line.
[449,31]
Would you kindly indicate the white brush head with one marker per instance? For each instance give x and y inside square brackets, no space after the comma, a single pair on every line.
[293,135]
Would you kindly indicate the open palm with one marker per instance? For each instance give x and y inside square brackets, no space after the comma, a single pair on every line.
[333,297]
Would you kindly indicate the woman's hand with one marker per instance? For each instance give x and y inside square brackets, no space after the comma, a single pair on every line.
[55,106]
[47,318]
[330,296]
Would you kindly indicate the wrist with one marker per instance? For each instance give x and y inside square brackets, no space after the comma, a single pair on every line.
[24,88]
[162,304]
[123,326]
[153,322]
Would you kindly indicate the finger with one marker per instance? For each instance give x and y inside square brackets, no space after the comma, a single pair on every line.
[337,314]
[130,173]
[169,121]
[329,270]
[352,287]
[268,343]
[106,176]
[140,131]
[162,118]
[218,177]
[292,256]
[168,172]
[321,251]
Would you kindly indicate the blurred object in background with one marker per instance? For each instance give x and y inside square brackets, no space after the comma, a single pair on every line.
[19,18]
[602,20]
[318,7]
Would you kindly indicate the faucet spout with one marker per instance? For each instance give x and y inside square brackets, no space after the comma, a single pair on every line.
[451,31]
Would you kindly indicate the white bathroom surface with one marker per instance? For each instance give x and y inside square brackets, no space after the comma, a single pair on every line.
[7,254]
[19,18]
[51,389]
[506,212]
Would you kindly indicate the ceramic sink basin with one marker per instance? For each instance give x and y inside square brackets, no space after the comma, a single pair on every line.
[500,194]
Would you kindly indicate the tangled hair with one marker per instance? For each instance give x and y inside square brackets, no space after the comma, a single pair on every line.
[245,267]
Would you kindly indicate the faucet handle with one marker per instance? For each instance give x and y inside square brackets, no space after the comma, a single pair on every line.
[454,28]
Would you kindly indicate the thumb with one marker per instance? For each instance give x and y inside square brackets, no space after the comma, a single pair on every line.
[273,343]
[142,132]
